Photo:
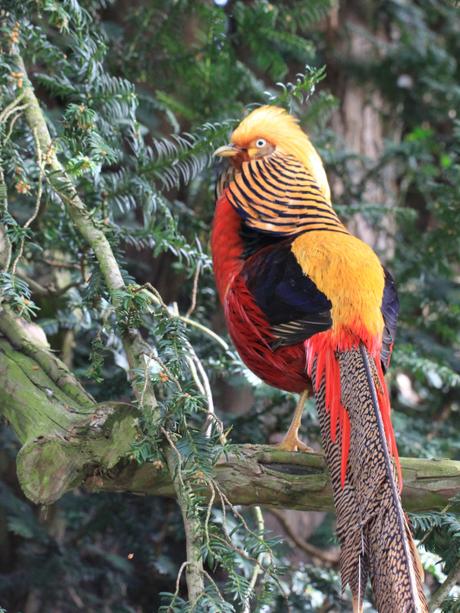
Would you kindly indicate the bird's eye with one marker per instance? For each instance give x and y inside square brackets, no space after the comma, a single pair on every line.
[261,143]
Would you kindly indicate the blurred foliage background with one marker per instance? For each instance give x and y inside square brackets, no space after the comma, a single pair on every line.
[137,95]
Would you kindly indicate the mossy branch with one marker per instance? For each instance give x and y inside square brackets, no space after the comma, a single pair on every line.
[262,475]
[64,380]
[135,347]
[65,434]
[68,444]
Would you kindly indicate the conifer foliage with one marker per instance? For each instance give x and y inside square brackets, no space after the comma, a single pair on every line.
[104,225]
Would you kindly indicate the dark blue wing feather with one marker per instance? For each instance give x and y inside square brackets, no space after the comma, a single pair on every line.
[390,312]
[291,302]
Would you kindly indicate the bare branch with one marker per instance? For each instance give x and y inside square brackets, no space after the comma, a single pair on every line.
[326,557]
[452,579]
[194,291]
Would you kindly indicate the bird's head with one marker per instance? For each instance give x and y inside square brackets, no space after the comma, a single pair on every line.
[269,129]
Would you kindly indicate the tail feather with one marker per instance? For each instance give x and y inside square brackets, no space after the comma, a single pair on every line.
[383,402]
[353,542]
[372,527]
[415,559]
[396,581]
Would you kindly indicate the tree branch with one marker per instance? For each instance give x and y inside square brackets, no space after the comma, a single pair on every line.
[330,558]
[452,579]
[47,464]
[19,338]
[137,350]
[192,525]
[67,443]
[66,436]
[69,440]
[262,475]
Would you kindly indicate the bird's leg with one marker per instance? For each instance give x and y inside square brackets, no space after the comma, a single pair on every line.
[291,441]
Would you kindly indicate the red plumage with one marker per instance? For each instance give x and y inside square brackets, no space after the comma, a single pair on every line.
[322,349]
[284,367]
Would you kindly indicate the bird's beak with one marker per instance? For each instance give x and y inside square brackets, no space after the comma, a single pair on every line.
[227,151]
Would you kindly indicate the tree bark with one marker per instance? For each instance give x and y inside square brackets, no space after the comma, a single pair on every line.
[262,475]
[363,120]
[63,439]
[69,443]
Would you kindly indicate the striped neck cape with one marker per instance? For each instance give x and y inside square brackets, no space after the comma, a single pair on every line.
[277,195]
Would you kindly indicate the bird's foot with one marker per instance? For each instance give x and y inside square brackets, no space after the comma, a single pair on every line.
[291,442]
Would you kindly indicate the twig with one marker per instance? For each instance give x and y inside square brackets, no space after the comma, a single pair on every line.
[197,370]
[65,288]
[194,363]
[329,558]
[216,587]
[59,264]
[46,290]
[196,378]
[205,330]
[10,108]
[156,298]
[75,598]
[37,288]
[194,290]
[257,561]
[208,513]
[176,592]
[257,568]
[7,248]
[238,514]
[192,526]
[41,169]
[452,579]
[205,389]
[6,255]
[144,387]
[18,111]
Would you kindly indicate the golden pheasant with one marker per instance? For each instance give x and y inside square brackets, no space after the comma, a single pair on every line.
[309,306]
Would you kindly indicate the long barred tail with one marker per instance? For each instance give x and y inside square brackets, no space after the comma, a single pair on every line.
[372,528]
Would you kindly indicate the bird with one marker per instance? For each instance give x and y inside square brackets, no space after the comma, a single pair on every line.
[311,309]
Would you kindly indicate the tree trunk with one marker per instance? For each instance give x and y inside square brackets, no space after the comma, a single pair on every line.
[363,119]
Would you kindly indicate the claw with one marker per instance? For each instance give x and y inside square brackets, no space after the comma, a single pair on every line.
[293,443]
